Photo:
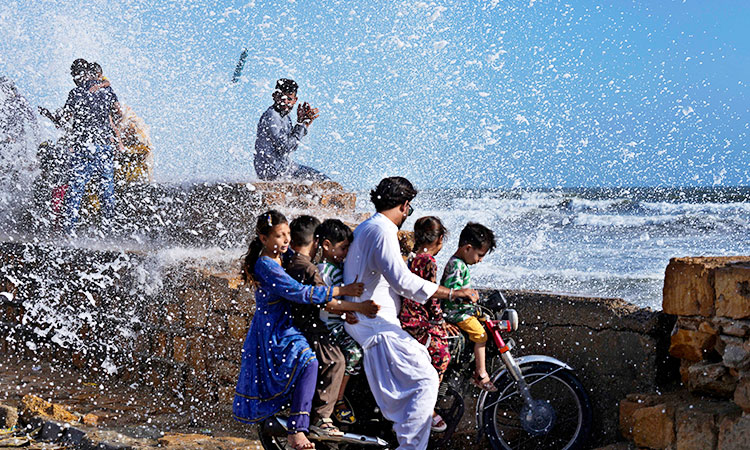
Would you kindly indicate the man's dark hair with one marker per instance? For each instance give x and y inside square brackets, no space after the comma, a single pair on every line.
[391,192]
[303,229]
[427,230]
[286,85]
[334,230]
[79,67]
[478,236]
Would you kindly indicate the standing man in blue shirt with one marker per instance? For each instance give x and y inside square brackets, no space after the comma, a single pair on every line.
[278,137]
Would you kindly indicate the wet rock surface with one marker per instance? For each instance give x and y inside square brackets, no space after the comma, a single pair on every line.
[54,402]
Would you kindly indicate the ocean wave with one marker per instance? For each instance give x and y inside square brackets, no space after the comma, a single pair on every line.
[612,220]
[687,208]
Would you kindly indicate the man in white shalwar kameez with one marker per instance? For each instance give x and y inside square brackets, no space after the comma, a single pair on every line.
[398,368]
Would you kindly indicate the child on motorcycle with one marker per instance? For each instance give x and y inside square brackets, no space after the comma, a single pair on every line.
[425,322]
[307,318]
[334,237]
[474,243]
[278,366]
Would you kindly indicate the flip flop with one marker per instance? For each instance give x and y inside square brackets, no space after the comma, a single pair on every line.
[326,428]
[438,424]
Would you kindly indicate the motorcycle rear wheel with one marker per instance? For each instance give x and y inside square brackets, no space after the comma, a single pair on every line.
[564,411]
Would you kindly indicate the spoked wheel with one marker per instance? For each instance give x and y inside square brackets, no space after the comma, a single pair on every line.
[559,417]
[271,438]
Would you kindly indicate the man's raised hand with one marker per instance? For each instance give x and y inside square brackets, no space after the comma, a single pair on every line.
[306,114]
[302,109]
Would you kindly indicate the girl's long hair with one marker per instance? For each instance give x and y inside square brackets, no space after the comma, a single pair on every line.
[265,224]
[426,231]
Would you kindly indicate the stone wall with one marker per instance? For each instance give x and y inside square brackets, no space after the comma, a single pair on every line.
[711,339]
[614,347]
[202,214]
[711,297]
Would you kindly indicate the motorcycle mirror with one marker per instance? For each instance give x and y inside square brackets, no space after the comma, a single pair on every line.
[496,301]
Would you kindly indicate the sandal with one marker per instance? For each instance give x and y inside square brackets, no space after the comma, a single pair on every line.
[483,383]
[325,427]
[343,414]
[438,424]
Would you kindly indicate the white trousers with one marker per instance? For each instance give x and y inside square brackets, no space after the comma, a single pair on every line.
[404,384]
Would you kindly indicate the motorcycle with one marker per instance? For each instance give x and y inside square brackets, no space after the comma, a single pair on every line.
[539,402]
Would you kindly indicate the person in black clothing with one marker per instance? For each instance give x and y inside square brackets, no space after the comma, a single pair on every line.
[92,110]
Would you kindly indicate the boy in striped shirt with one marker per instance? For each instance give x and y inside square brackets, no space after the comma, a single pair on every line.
[334,238]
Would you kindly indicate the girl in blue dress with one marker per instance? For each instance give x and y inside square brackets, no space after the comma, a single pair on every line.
[278,367]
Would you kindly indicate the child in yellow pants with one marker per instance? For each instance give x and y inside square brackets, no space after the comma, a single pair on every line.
[475,242]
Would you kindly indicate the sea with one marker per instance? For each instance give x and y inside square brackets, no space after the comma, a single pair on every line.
[603,242]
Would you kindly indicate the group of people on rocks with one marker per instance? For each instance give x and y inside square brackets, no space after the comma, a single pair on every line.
[363,304]
[92,140]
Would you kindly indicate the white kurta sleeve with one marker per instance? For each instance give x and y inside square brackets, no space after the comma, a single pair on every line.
[387,259]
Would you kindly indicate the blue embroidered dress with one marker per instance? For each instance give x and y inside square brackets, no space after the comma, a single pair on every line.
[275,353]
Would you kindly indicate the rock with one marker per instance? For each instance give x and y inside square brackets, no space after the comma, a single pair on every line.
[736,357]
[90,420]
[8,416]
[32,405]
[734,433]
[712,379]
[732,327]
[690,345]
[51,431]
[628,407]
[101,439]
[742,394]
[653,426]
[732,287]
[237,326]
[203,442]
[695,429]
[688,287]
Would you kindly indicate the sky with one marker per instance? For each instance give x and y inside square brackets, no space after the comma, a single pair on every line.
[449,94]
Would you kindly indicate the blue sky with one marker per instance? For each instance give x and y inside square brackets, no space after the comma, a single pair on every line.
[494,94]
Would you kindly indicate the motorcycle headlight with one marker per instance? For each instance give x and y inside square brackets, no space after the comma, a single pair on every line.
[511,315]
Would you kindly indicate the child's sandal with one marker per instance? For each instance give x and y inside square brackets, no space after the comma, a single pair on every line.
[325,427]
[438,424]
[483,383]
[343,414]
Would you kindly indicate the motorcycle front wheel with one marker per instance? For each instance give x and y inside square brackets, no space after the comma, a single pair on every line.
[559,418]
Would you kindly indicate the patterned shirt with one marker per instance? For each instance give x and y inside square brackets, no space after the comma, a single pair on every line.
[332,275]
[422,319]
[457,276]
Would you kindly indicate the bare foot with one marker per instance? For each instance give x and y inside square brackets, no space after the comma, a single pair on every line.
[298,441]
